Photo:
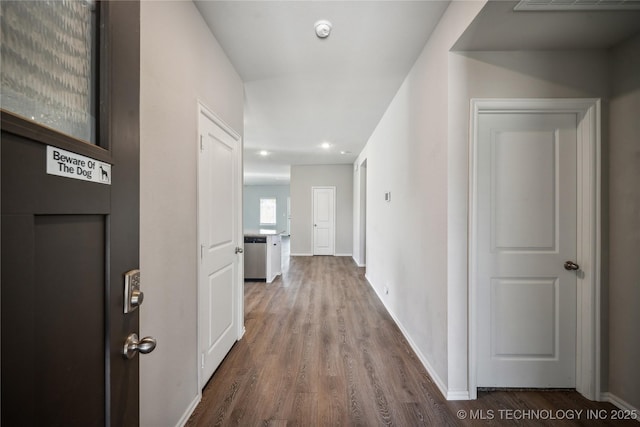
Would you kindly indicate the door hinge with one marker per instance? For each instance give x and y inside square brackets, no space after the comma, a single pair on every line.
[201,251]
[201,144]
[201,361]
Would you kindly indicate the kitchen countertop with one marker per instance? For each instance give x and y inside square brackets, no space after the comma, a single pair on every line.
[261,232]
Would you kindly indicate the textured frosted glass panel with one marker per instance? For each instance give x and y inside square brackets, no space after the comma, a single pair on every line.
[48,62]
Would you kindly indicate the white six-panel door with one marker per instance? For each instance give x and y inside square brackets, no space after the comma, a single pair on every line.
[526,186]
[323,220]
[219,293]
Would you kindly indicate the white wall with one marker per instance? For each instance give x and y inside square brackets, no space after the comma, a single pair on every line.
[302,179]
[417,244]
[624,224]
[181,62]
[251,206]
[407,244]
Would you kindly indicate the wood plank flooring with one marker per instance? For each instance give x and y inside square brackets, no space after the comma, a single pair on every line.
[321,350]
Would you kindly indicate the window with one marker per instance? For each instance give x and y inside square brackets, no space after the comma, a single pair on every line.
[267,211]
[49,62]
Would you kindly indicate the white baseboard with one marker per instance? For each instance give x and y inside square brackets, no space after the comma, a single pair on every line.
[308,254]
[185,417]
[458,395]
[425,362]
[622,404]
[357,262]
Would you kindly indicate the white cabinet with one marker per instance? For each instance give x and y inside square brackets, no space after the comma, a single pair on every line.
[274,257]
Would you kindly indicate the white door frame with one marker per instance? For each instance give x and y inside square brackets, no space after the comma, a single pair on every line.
[288,215]
[206,111]
[313,217]
[588,230]
[362,241]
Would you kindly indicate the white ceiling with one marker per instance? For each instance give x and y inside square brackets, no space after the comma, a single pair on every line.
[499,27]
[301,91]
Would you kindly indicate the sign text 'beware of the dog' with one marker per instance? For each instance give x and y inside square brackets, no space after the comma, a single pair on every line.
[71,165]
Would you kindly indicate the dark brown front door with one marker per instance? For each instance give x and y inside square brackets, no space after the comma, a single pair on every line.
[66,244]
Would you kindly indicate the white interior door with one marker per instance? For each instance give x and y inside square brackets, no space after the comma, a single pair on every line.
[526,190]
[324,220]
[219,293]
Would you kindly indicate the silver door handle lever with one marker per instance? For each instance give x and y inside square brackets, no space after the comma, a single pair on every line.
[571,266]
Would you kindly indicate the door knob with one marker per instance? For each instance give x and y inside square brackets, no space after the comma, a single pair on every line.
[239,250]
[570,265]
[132,346]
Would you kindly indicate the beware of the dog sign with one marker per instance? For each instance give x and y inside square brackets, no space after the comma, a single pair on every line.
[72,165]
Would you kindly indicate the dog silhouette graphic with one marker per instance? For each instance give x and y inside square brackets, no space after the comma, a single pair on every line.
[105,175]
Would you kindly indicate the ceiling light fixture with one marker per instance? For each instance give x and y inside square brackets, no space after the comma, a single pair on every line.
[263,153]
[326,145]
[345,152]
[323,29]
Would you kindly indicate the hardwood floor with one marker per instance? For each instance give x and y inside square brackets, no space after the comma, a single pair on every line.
[321,350]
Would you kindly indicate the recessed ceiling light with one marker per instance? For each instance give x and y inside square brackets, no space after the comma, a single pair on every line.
[326,145]
[345,152]
[263,153]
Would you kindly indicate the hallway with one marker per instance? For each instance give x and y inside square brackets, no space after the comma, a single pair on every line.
[320,349]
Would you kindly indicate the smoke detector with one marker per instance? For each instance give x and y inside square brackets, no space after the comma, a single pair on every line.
[323,29]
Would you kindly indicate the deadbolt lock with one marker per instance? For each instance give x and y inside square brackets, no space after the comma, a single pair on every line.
[133,296]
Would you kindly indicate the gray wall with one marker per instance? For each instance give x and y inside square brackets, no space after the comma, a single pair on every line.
[523,74]
[614,76]
[426,169]
[251,206]
[302,179]
[181,62]
[624,223]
